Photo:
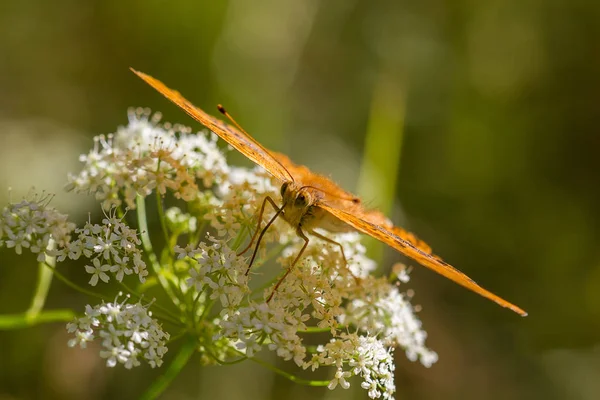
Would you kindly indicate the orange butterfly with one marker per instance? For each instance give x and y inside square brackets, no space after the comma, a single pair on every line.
[311,200]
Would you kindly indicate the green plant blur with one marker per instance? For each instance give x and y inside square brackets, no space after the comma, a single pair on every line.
[479,121]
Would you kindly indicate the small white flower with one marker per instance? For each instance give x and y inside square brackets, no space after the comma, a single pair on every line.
[121,269]
[340,377]
[97,271]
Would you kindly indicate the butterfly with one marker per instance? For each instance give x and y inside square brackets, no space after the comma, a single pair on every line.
[310,200]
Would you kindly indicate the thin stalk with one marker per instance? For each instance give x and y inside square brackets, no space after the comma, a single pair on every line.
[24,320]
[147,244]
[44,281]
[170,317]
[315,329]
[173,370]
[289,376]
[221,362]
[76,287]
[162,219]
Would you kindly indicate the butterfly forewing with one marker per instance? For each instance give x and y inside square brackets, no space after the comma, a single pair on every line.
[392,238]
[238,140]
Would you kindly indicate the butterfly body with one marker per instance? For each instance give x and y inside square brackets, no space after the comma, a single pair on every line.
[297,206]
[302,196]
[310,200]
[300,209]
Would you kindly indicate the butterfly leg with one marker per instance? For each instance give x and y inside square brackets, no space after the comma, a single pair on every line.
[306,240]
[263,231]
[259,219]
[329,240]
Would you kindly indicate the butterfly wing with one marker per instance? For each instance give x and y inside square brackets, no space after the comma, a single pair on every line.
[410,246]
[372,223]
[238,140]
[320,185]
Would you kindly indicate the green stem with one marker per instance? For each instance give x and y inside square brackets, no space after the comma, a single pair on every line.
[76,287]
[207,307]
[194,308]
[242,234]
[173,370]
[24,320]
[177,336]
[195,302]
[167,316]
[221,362]
[161,217]
[144,233]
[43,283]
[289,376]
[147,244]
[195,237]
[315,329]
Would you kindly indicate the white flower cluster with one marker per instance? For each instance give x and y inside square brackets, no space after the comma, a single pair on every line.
[112,247]
[218,269]
[143,157]
[330,289]
[323,289]
[237,201]
[128,333]
[384,312]
[31,224]
[363,356]
[326,292]
[260,323]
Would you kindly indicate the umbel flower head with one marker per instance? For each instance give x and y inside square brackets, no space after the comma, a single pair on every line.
[198,267]
[32,224]
[127,331]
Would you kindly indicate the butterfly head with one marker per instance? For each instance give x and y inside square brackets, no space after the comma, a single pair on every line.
[297,201]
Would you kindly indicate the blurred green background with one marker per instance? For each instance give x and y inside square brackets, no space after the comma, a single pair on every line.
[492,108]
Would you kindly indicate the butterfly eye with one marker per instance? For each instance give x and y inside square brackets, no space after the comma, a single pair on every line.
[300,200]
[283,189]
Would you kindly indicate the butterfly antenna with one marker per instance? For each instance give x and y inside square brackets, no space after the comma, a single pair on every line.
[223,111]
